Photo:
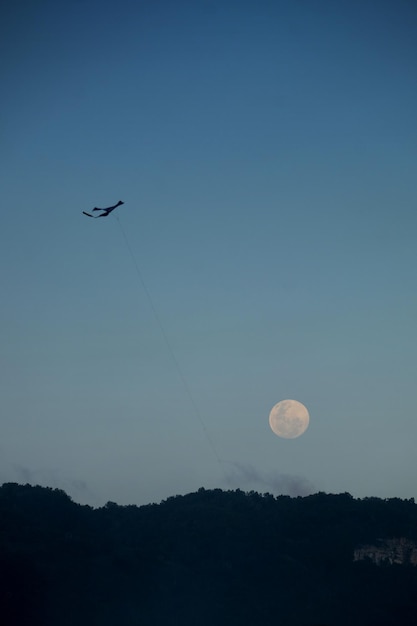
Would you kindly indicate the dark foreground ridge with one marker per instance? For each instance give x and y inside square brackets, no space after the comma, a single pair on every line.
[210,558]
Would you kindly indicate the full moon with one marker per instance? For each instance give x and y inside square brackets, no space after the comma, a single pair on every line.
[289,419]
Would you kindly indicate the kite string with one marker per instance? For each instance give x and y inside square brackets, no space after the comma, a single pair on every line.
[168,343]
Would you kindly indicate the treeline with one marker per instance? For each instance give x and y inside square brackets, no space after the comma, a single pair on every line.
[210,558]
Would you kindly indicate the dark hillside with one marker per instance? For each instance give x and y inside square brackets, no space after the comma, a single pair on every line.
[207,558]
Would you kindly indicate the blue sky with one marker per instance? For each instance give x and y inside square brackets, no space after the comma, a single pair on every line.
[266,154]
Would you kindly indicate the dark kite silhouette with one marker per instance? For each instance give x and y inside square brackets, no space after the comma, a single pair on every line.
[106,211]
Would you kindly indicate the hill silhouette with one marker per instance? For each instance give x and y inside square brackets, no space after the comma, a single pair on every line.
[209,558]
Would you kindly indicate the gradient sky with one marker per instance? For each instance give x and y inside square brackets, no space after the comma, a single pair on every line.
[266,152]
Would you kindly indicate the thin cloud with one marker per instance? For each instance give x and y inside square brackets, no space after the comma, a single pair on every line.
[246,476]
[47,477]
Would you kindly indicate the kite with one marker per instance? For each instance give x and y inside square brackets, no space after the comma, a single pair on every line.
[106,211]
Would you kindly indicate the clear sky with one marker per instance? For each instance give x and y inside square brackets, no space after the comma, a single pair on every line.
[266,152]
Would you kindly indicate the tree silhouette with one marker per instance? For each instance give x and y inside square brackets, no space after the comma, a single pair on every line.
[210,557]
